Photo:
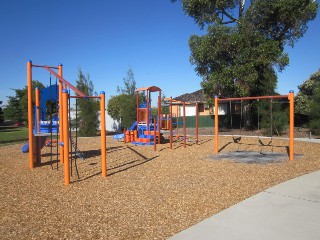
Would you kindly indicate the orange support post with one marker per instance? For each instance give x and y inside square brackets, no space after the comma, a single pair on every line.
[184,125]
[37,138]
[65,137]
[103,135]
[60,113]
[159,117]
[197,123]
[137,105]
[216,125]
[291,131]
[148,113]
[30,114]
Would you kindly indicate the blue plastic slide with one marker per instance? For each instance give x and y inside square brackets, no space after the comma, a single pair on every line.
[121,135]
[133,126]
[118,136]
[25,148]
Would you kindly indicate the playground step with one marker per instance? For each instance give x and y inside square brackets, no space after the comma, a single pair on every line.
[142,143]
[149,133]
[143,140]
[146,136]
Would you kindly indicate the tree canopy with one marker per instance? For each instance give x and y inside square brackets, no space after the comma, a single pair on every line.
[307,91]
[129,84]
[88,108]
[17,105]
[245,41]
[1,113]
[122,107]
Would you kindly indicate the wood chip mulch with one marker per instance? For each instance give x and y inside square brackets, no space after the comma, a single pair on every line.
[147,194]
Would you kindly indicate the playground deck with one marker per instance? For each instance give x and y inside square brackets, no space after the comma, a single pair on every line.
[147,194]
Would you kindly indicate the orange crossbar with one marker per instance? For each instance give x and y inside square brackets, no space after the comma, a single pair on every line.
[34,65]
[252,98]
[76,90]
[85,97]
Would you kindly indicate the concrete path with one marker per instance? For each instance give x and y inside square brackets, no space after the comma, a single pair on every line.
[314,140]
[288,211]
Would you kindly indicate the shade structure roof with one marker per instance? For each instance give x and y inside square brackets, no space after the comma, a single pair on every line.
[150,89]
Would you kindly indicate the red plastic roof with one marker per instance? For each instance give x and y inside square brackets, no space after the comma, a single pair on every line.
[150,89]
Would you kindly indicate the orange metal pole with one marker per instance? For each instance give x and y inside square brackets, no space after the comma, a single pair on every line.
[253,98]
[65,137]
[197,123]
[216,125]
[170,126]
[38,139]
[60,114]
[85,97]
[42,66]
[103,135]
[159,116]
[184,125]
[30,114]
[148,112]
[291,131]
[137,105]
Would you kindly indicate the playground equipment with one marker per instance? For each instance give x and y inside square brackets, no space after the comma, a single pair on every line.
[169,102]
[40,124]
[290,97]
[39,128]
[121,135]
[145,130]
[148,131]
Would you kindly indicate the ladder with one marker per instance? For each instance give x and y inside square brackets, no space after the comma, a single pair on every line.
[77,150]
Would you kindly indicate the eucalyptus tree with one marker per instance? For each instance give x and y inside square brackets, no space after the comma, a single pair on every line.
[244,43]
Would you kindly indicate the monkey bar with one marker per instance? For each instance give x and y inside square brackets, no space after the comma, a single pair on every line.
[183,103]
[63,96]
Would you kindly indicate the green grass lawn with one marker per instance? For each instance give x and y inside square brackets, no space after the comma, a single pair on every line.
[12,134]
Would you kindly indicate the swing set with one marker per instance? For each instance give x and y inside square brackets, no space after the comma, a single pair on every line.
[61,125]
[290,97]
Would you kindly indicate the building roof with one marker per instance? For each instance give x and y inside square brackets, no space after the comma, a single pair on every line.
[197,96]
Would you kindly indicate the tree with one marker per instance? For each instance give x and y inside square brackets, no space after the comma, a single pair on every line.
[306,92]
[1,114]
[245,42]
[88,107]
[123,109]
[165,108]
[307,101]
[129,84]
[315,111]
[274,117]
[17,106]
[123,106]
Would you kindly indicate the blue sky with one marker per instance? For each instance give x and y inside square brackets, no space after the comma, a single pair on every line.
[106,38]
